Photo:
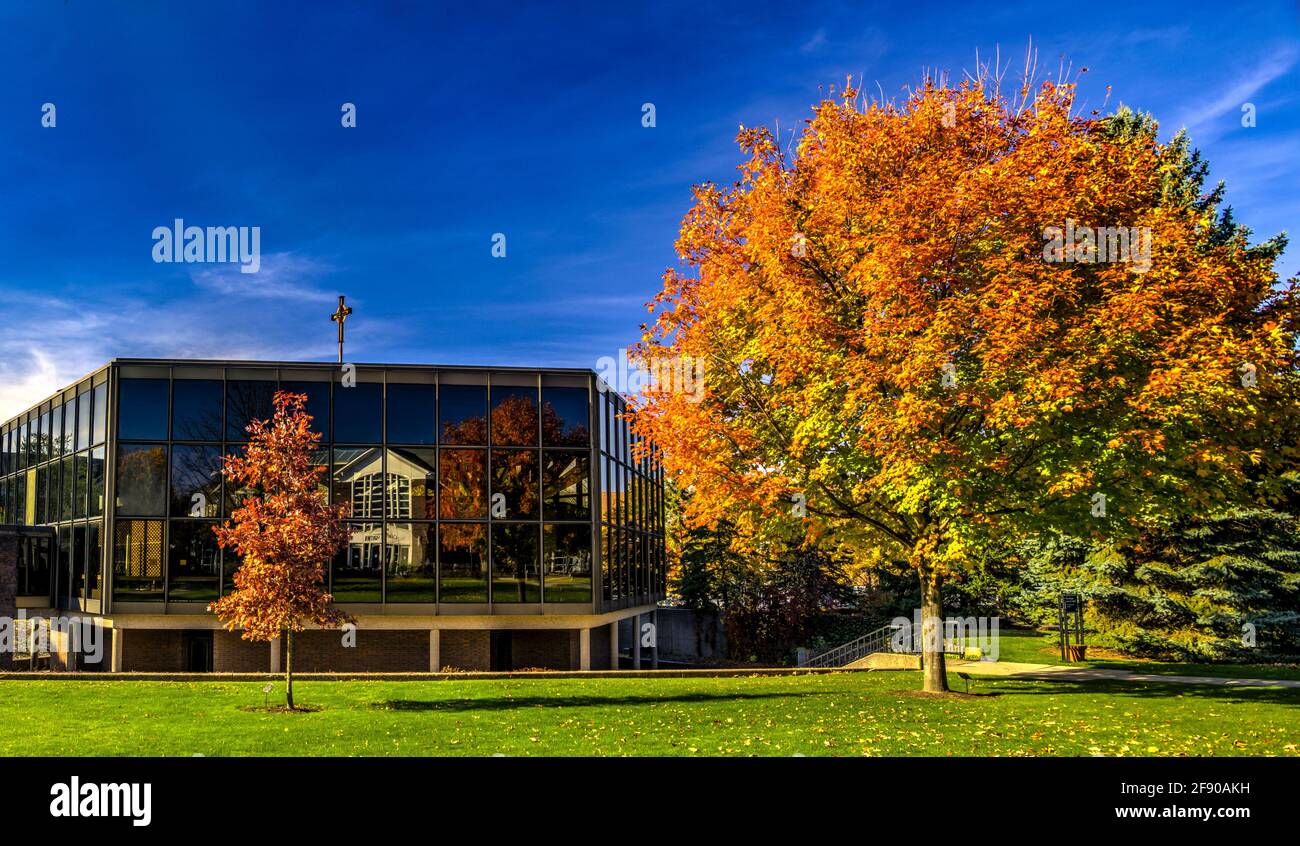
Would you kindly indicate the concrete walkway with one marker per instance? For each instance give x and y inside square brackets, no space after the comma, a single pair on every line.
[1066,672]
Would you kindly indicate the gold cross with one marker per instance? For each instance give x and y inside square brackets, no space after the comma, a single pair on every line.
[339,317]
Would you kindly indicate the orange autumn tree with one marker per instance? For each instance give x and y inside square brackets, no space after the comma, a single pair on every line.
[917,338]
[285,533]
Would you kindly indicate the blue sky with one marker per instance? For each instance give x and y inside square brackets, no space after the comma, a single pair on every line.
[524,121]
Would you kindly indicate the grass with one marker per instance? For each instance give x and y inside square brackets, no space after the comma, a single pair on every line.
[838,714]
[1034,647]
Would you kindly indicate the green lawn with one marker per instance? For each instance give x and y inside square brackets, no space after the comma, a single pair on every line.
[1038,648]
[840,714]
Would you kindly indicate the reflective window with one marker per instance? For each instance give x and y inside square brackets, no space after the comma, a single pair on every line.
[358,413]
[515,564]
[358,568]
[514,416]
[246,401]
[137,560]
[317,405]
[196,410]
[411,562]
[462,484]
[412,413]
[514,484]
[83,421]
[412,483]
[196,481]
[82,490]
[141,409]
[94,559]
[99,431]
[193,562]
[462,414]
[141,480]
[358,481]
[463,562]
[97,464]
[57,448]
[234,493]
[69,488]
[566,563]
[566,485]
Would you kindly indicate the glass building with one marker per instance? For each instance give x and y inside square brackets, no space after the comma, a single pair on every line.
[500,518]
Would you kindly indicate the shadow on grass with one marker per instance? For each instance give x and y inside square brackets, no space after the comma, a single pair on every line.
[1142,690]
[505,703]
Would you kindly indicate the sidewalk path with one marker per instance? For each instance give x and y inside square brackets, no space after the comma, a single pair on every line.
[1066,672]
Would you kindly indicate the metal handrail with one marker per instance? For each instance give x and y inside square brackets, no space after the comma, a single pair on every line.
[846,653]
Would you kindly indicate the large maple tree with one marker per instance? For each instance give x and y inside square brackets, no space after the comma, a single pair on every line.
[285,533]
[902,358]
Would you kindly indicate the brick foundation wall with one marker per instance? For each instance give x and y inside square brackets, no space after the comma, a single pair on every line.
[465,650]
[375,651]
[545,649]
[8,587]
[153,651]
[232,654]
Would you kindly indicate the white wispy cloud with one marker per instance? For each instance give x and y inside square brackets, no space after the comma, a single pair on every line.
[1203,119]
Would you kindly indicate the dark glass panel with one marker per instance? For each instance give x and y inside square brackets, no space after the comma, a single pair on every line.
[42,495]
[68,484]
[230,562]
[97,466]
[99,428]
[463,559]
[78,583]
[606,559]
[566,486]
[141,480]
[358,481]
[193,561]
[514,415]
[514,484]
[234,493]
[358,568]
[358,413]
[63,567]
[137,560]
[196,410]
[246,401]
[462,414]
[34,567]
[84,421]
[44,445]
[318,403]
[94,559]
[20,499]
[80,494]
[412,413]
[411,561]
[196,481]
[462,484]
[566,563]
[515,565]
[56,432]
[412,483]
[566,419]
[141,410]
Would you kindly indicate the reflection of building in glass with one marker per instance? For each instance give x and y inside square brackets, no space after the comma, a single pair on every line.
[468,492]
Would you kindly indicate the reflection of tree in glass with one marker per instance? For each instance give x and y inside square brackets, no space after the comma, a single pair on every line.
[196,470]
[463,483]
[514,473]
[554,433]
[247,401]
[514,421]
[471,430]
[139,473]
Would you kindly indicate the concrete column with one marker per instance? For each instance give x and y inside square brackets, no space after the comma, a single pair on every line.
[584,649]
[275,655]
[613,645]
[435,650]
[654,649]
[115,657]
[636,642]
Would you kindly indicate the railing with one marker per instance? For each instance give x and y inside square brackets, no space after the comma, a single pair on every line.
[879,640]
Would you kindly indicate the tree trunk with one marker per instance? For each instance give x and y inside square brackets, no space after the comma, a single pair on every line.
[934,671]
[288,668]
